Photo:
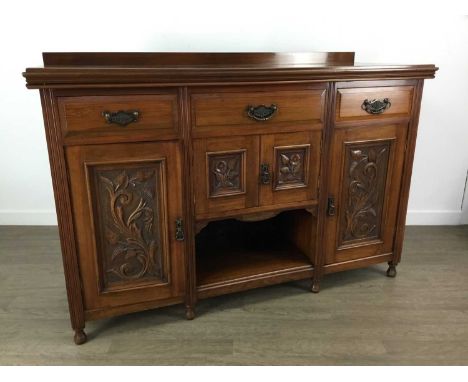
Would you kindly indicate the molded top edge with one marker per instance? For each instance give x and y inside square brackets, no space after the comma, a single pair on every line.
[68,70]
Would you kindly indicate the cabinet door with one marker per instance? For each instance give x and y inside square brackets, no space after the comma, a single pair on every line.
[126,199]
[365,176]
[293,162]
[226,174]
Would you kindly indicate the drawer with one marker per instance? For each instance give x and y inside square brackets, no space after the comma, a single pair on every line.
[118,117]
[375,102]
[257,108]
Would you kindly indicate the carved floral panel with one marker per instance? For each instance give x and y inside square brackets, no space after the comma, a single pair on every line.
[365,174]
[127,211]
[226,173]
[291,167]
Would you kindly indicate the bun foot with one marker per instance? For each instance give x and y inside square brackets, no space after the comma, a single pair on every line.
[315,286]
[189,313]
[80,337]
[391,271]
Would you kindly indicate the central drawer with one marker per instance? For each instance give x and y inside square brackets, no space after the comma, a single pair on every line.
[248,111]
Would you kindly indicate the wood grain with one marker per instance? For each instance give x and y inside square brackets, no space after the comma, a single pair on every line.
[157,116]
[407,171]
[230,108]
[190,298]
[187,59]
[71,70]
[357,193]
[276,150]
[350,102]
[84,162]
[196,159]
[64,210]
[247,149]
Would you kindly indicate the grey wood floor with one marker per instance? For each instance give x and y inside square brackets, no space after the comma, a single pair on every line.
[360,317]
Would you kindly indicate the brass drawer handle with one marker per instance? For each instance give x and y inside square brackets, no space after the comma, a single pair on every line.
[376,106]
[265,176]
[122,118]
[261,112]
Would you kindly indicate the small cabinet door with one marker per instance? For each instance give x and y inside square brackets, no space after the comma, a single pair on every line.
[292,162]
[365,176]
[126,200]
[225,173]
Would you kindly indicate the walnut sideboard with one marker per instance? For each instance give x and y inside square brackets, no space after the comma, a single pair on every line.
[180,176]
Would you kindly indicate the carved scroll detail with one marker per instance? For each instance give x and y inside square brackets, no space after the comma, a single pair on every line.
[127,209]
[364,187]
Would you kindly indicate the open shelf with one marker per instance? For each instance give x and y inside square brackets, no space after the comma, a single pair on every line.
[235,255]
[216,267]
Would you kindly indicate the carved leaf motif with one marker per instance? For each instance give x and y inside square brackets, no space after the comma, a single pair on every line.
[367,168]
[225,173]
[121,181]
[127,210]
[119,213]
[291,167]
[220,178]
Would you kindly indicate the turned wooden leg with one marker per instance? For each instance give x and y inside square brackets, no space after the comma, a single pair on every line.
[189,312]
[80,336]
[391,271]
[315,288]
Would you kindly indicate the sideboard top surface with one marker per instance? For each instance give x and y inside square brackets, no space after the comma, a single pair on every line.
[107,69]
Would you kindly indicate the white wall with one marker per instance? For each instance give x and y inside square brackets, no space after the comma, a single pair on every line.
[28,29]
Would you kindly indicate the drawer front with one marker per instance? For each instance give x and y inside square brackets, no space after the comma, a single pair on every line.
[373,103]
[118,116]
[258,108]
